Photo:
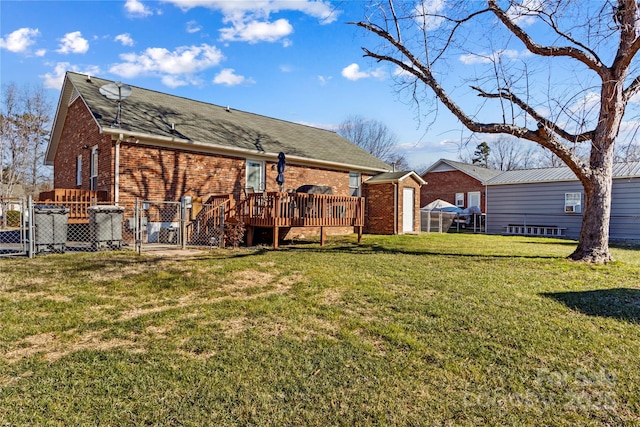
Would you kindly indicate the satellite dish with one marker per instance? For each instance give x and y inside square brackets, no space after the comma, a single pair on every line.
[116,91]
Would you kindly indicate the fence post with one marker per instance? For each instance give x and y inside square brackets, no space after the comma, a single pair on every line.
[221,226]
[137,233]
[30,226]
[183,220]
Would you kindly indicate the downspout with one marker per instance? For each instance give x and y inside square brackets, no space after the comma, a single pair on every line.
[116,166]
[395,208]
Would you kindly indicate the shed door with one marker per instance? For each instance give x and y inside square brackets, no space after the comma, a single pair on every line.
[407,210]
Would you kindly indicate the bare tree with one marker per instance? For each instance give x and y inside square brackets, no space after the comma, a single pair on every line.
[373,136]
[24,122]
[592,44]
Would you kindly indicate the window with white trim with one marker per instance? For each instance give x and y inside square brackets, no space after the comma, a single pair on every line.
[255,175]
[79,170]
[573,202]
[460,200]
[354,184]
[93,181]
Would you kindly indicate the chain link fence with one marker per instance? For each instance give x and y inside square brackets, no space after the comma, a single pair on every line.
[32,229]
[14,233]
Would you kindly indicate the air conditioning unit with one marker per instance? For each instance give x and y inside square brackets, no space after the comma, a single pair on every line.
[572,209]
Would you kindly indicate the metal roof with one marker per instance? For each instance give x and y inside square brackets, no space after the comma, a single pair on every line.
[559,174]
[202,126]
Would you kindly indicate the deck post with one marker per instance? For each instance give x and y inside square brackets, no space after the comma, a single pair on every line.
[250,235]
[323,236]
[276,236]
[360,234]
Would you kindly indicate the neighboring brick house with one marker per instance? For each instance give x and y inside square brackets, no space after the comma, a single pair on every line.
[393,203]
[163,147]
[458,183]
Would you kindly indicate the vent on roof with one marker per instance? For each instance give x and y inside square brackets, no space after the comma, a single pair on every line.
[74,95]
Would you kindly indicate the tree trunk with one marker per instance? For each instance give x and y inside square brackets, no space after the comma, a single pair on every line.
[594,235]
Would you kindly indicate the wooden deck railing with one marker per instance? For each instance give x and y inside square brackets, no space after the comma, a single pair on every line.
[302,210]
[207,223]
[77,201]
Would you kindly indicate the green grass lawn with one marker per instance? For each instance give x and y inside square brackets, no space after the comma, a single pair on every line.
[437,329]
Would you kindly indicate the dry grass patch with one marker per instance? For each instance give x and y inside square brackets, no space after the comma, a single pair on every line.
[52,347]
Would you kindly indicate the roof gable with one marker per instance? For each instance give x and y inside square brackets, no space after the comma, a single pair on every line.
[395,177]
[477,172]
[156,115]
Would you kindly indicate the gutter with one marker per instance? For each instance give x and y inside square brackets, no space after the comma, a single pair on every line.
[116,167]
[174,142]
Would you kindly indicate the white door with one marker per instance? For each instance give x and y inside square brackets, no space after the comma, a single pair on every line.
[407,210]
[473,198]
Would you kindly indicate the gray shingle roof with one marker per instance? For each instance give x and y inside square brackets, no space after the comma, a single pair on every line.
[620,170]
[394,177]
[478,172]
[205,126]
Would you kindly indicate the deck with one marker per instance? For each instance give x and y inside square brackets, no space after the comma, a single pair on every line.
[77,201]
[277,210]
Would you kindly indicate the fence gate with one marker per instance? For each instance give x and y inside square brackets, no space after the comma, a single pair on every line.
[175,225]
[158,225]
[14,230]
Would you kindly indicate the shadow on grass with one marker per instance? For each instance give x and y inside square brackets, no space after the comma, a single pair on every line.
[380,249]
[618,303]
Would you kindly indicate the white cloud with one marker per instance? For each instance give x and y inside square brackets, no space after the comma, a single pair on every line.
[427,14]
[589,103]
[183,61]
[487,58]
[54,80]
[193,27]
[73,43]
[249,20]
[324,80]
[174,81]
[525,14]
[255,31]
[136,9]
[41,52]
[323,10]
[125,39]
[19,40]
[228,77]
[352,72]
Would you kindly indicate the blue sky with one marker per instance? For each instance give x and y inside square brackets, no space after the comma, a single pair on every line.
[293,60]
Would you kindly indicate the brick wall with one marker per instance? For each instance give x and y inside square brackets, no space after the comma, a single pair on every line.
[155,173]
[80,130]
[445,185]
[382,207]
[379,212]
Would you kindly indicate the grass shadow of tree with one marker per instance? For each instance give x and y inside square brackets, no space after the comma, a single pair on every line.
[618,303]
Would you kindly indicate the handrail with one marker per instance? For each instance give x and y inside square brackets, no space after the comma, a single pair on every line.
[276,209]
[76,200]
[207,222]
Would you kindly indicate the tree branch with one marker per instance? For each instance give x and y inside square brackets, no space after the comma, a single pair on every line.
[590,61]
[562,133]
[541,135]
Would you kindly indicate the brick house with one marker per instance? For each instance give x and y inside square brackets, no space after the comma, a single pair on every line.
[156,146]
[458,183]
